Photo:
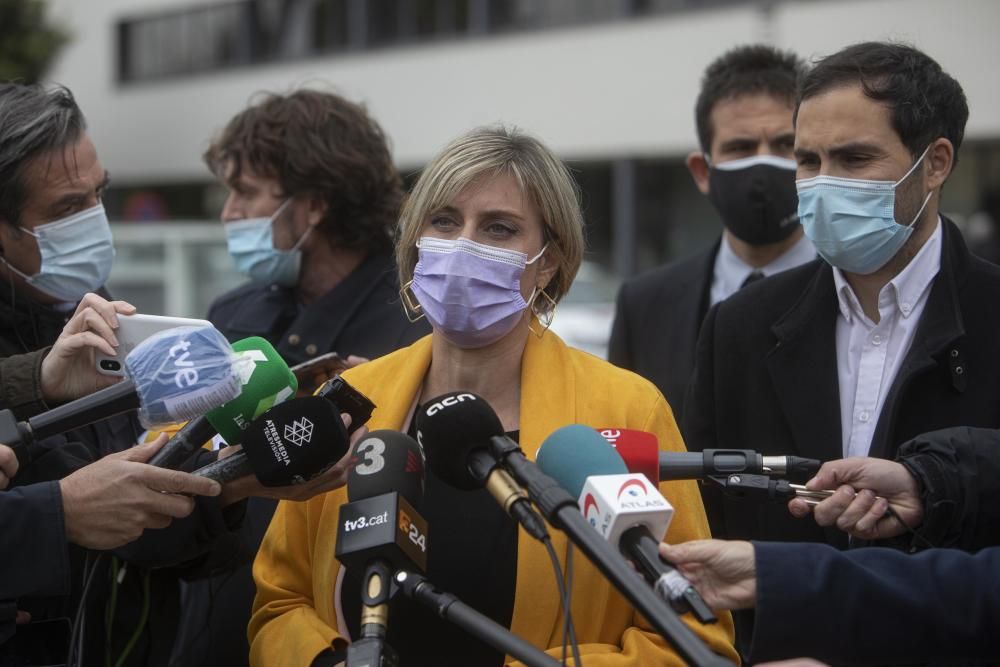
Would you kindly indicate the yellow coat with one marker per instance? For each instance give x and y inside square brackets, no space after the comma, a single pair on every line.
[294,619]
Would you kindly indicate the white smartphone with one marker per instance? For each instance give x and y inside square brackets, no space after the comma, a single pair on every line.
[132,330]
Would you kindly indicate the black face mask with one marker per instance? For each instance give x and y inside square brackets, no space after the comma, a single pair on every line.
[756,198]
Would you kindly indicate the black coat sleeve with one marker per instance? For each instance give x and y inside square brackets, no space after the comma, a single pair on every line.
[35,557]
[619,352]
[20,383]
[875,605]
[958,470]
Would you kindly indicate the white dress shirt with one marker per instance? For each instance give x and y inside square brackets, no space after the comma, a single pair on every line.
[869,355]
[730,271]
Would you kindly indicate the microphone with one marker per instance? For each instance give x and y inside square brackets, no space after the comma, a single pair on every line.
[454,431]
[562,511]
[626,509]
[642,454]
[380,531]
[289,444]
[173,376]
[266,381]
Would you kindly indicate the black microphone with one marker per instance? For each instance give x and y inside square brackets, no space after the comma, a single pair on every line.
[454,430]
[721,462]
[381,531]
[289,444]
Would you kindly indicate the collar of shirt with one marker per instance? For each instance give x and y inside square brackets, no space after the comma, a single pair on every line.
[730,271]
[902,292]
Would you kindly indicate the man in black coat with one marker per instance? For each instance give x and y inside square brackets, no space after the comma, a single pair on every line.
[313,199]
[891,335]
[744,166]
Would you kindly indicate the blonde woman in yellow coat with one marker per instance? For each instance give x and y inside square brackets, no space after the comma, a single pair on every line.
[489,241]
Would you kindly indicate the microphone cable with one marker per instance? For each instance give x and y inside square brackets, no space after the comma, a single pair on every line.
[565,586]
[77,635]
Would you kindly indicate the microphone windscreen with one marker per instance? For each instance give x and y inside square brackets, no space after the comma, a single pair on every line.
[266,381]
[639,449]
[573,453]
[181,373]
[449,427]
[293,442]
[386,461]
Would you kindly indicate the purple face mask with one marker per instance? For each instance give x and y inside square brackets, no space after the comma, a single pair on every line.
[470,292]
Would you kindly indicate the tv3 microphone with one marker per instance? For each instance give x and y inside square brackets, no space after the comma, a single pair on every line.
[173,376]
[642,454]
[625,508]
[290,443]
[266,381]
[380,531]
[454,430]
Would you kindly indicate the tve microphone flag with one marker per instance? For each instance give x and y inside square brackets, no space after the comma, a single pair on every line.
[182,373]
[266,381]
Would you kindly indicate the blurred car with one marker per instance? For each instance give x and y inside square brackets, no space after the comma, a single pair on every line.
[583,318]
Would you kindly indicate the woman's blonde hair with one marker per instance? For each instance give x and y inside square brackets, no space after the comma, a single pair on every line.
[489,152]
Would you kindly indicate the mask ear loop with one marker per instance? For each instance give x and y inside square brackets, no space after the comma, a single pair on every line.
[906,176]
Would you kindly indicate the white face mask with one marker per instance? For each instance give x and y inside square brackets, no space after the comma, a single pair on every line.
[77,253]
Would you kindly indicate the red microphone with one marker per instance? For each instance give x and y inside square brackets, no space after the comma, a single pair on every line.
[640,450]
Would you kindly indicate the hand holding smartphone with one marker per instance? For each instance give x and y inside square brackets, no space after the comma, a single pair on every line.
[132,330]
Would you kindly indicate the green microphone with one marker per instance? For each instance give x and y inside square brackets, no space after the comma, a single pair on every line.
[266,381]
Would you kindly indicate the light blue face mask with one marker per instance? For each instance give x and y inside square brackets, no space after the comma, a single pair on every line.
[852,222]
[77,253]
[251,245]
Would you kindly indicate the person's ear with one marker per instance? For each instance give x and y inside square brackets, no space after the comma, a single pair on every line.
[939,162]
[698,166]
[316,210]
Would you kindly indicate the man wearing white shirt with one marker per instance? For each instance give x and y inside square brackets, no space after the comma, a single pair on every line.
[744,166]
[889,335]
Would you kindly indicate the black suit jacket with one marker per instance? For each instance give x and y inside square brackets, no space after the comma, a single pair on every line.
[658,316]
[766,377]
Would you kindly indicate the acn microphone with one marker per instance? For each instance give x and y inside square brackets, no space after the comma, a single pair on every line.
[174,376]
[454,430]
[380,531]
[289,444]
[266,381]
[641,453]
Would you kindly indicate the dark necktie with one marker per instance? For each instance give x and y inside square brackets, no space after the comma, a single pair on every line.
[754,276]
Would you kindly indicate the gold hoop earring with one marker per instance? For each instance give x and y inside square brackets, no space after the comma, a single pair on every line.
[411,307]
[544,314]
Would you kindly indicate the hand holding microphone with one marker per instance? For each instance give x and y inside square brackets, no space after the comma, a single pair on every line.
[725,573]
[864,489]
[108,503]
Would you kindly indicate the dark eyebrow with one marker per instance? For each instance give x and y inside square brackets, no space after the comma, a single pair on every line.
[785,136]
[854,148]
[801,153]
[737,142]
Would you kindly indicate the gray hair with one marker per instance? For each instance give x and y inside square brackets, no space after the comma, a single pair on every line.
[33,121]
